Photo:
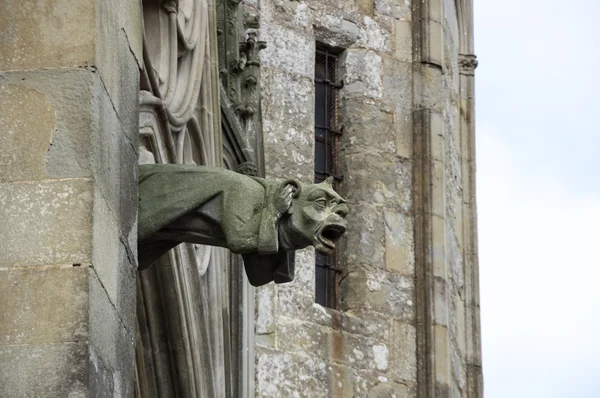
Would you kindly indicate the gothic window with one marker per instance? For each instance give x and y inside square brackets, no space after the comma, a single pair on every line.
[327,134]
[194,306]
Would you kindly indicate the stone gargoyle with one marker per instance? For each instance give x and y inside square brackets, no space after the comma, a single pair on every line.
[265,221]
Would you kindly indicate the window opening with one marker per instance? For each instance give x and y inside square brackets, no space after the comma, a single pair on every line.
[327,134]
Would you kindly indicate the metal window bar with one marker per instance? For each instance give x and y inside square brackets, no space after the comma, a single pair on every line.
[326,146]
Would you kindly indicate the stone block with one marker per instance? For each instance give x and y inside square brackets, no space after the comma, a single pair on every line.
[287,50]
[47,222]
[356,321]
[403,127]
[390,389]
[399,10]
[403,43]
[397,79]
[287,101]
[132,22]
[403,352]
[374,384]
[110,341]
[438,188]
[362,115]
[59,150]
[442,354]
[399,243]
[304,279]
[281,374]
[438,231]
[434,50]
[441,307]
[365,237]
[334,30]
[365,6]
[37,34]
[436,10]
[113,262]
[366,323]
[362,74]
[44,370]
[379,291]
[117,65]
[290,160]
[377,179]
[429,84]
[26,129]
[266,306]
[375,36]
[43,306]
[115,167]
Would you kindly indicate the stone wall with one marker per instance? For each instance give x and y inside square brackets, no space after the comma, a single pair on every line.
[69,73]
[408,320]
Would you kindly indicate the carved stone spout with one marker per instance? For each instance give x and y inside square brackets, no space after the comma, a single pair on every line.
[265,221]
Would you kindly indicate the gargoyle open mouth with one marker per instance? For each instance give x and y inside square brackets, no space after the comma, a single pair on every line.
[328,236]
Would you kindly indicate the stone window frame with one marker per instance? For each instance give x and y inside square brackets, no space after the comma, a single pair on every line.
[327,136]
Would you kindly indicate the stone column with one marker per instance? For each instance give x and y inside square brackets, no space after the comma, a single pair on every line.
[69,73]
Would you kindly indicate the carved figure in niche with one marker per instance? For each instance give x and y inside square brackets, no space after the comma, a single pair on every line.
[265,221]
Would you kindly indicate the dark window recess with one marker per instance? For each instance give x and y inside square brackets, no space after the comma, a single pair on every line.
[326,150]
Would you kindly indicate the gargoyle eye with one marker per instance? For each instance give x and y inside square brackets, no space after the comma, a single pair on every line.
[322,202]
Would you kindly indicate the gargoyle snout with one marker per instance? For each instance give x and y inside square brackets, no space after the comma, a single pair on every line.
[342,210]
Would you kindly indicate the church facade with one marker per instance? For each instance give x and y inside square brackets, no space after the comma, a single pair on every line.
[376,95]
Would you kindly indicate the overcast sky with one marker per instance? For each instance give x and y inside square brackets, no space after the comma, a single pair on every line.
[538,143]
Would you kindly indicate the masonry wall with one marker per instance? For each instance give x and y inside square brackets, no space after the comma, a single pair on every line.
[408,319]
[69,73]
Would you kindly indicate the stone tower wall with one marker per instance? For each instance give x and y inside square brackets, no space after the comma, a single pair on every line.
[69,73]
[408,320]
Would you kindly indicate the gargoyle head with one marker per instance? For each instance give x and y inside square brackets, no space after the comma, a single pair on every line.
[318,216]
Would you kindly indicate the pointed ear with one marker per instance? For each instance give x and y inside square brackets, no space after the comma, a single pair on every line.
[329,181]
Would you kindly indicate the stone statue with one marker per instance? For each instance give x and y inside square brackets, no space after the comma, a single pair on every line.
[263,220]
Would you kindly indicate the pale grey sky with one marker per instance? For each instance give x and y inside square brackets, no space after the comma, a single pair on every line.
[538,143]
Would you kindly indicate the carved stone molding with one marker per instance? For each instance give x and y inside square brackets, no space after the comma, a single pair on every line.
[195,309]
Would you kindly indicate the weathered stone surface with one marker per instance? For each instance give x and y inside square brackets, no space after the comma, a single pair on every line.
[113,358]
[43,306]
[398,9]
[113,49]
[382,88]
[365,114]
[365,246]
[370,384]
[67,152]
[112,261]
[288,100]
[380,291]
[286,375]
[403,352]
[265,309]
[399,243]
[114,162]
[335,31]
[374,36]
[397,81]
[46,223]
[402,41]
[378,179]
[287,50]
[44,370]
[362,74]
[26,129]
[46,34]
